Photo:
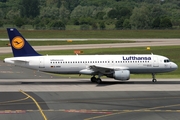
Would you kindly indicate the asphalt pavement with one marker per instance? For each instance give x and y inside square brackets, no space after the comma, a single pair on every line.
[29,95]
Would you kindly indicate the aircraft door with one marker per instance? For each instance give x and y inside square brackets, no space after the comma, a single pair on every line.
[155,62]
[41,62]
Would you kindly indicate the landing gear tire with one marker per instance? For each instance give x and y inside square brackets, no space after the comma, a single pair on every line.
[154,80]
[93,79]
[98,80]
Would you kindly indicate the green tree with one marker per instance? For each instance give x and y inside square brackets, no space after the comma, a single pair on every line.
[165,23]
[3,0]
[140,18]
[14,13]
[19,22]
[176,22]
[120,13]
[40,26]
[82,11]
[126,24]
[48,12]
[102,25]
[53,3]
[96,3]
[85,20]
[57,25]
[76,22]
[124,13]
[112,14]
[157,11]
[100,15]
[119,24]
[29,8]
[71,4]
[1,14]
[156,23]
[94,26]
[64,13]
[141,13]
[36,21]
[1,24]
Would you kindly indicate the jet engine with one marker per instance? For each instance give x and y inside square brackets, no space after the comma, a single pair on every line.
[121,75]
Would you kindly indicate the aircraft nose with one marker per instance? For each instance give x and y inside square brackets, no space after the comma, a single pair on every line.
[174,66]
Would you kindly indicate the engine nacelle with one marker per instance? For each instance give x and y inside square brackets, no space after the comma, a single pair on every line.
[121,75]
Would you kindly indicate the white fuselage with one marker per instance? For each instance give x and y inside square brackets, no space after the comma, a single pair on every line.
[73,64]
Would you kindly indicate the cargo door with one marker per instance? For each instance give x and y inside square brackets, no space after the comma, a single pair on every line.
[155,62]
[41,62]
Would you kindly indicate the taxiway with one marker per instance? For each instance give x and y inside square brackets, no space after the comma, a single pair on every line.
[33,95]
[138,43]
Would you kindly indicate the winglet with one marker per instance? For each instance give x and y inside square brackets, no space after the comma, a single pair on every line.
[19,45]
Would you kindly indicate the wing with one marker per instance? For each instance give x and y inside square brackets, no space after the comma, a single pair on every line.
[106,69]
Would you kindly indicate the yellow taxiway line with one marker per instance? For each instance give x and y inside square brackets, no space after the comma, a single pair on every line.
[39,107]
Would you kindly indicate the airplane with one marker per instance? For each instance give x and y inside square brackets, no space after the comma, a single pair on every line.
[118,67]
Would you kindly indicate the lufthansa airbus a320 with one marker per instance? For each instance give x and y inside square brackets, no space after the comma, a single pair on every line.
[118,67]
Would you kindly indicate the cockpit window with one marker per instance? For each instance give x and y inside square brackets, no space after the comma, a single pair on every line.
[167,60]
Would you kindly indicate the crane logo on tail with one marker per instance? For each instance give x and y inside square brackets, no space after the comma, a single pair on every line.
[18,42]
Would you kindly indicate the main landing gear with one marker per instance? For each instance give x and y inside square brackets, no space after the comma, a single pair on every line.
[153,76]
[97,80]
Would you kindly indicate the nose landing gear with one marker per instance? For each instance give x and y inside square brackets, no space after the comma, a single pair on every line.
[154,79]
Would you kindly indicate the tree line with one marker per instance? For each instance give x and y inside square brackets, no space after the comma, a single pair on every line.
[91,14]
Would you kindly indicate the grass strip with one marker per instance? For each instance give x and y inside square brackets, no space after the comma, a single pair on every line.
[96,33]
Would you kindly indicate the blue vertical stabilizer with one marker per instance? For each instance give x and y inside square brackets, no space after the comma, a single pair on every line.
[19,45]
